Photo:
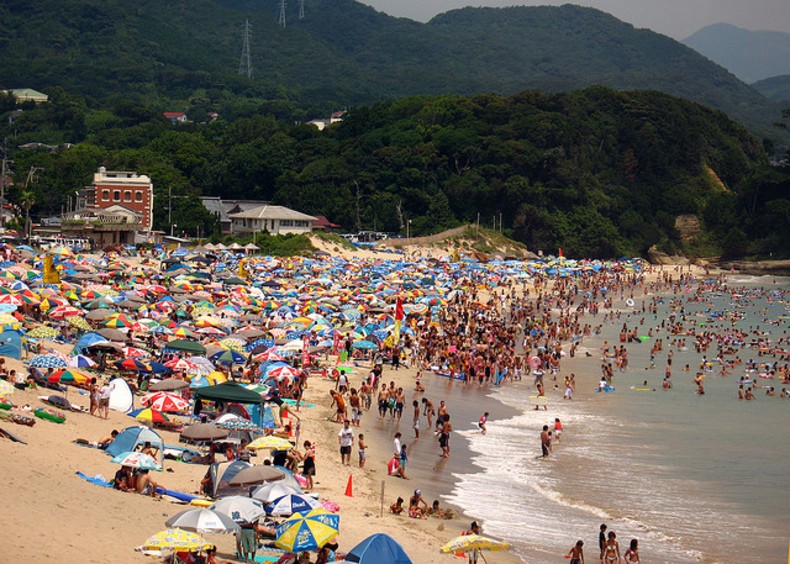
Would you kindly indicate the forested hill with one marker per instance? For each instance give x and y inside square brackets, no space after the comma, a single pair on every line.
[598,172]
[344,53]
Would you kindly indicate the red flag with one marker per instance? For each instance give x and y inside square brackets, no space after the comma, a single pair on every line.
[561,255]
[399,310]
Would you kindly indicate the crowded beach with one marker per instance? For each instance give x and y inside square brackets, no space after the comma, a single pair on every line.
[195,406]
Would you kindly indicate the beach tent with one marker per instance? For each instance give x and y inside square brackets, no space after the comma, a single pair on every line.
[11,344]
[121,397]
[87,340]
[134,438]
[379,549]
[222,473]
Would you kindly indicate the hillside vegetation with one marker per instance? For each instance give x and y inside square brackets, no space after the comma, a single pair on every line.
[598,172]
[176,55]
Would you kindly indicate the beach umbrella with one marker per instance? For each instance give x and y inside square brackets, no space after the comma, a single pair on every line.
[136,460]
[307,531]
[269,355]
[6,388]
[133,364]
[255,475]
[176,540]
[68,377]
[64,311]
[273,490]
[471,543]
[43,332]
[165,402]
[240,509]
[150,415]
[48,361]
[291,503]
[112,334]
[169,385]
[229,356]
[282,371]
[203,432]
[79,323]
[81,361]
[270,442]
[186,346]
[179,365]
[203,521]
[215,378]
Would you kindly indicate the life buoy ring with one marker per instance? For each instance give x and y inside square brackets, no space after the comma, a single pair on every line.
[50,415]
[629,302]
[556,293]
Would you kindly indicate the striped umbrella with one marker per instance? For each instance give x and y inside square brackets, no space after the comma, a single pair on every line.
[68,377]
[167,403]
[150,415]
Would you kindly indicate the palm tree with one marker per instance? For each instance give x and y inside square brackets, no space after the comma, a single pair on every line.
[27,199]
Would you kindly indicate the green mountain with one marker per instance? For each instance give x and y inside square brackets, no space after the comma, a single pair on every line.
[749,55]
[599,172]
[344,53]
[776,88]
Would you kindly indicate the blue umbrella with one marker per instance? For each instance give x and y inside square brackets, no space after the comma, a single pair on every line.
[365,344]
[229,357]
[289,504]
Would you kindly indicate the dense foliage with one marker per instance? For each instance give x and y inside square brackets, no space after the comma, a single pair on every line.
[598,172]
[178,55]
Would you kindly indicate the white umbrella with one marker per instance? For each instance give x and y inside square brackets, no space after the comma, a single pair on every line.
[203,521]
[239,508]
[137,460]
[272,491]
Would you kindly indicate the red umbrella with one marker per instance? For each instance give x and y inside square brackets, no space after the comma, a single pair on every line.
[270,355]
[165,402]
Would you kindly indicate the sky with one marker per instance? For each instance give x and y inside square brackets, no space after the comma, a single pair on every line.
[675,18]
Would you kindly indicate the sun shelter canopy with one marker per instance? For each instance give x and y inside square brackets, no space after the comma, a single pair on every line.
[133,439]
[378,549]
[228,392]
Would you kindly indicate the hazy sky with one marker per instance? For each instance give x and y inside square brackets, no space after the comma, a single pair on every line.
[676,18]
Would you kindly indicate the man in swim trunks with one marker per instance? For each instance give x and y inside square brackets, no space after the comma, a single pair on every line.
[545,441]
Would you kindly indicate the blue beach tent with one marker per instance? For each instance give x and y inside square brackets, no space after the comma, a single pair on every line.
[378,549]
[11,344]
[134,438]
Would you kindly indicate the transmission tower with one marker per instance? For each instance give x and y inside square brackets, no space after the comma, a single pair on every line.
[245,65]
[301,9]
[281,21]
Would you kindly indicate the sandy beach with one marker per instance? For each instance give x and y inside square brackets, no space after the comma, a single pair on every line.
[52,513]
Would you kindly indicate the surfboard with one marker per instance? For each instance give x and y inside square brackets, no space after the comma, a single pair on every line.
[539,401]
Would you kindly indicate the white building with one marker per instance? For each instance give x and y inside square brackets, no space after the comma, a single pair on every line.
[277,220]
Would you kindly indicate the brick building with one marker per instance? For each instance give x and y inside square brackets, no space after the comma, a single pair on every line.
[121,188]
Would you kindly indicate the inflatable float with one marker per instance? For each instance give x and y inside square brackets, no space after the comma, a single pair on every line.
[50,415]
[606,389]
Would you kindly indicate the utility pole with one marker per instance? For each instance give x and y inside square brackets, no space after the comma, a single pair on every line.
[301,9]
[500,222]
[4,174]
[359,197]
[245,65]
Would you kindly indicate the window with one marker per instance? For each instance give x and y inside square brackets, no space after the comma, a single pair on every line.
[116,196]
[105,195]
[127,196]
[138,196]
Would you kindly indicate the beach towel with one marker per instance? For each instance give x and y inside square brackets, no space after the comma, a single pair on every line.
[97,480]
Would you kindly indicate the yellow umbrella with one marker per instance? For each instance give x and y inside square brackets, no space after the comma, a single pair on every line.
[216,377]
[177,540]
[470,543]
[270,442]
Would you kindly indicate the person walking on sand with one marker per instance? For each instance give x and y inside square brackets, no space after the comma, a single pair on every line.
[346,439]
[416,421]
[362,445]
[444,436]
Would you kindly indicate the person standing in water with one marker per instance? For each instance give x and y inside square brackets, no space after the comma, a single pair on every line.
[545,441]
[482,422]
[632,554]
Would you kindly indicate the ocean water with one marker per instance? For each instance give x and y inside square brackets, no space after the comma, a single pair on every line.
[694,478]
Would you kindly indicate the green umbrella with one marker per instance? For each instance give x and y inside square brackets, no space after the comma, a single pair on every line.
[187,346]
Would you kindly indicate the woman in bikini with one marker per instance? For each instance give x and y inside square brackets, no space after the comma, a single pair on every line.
[632,554]
[611,550]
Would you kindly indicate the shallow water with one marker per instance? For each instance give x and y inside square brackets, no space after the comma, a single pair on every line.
[694,478]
